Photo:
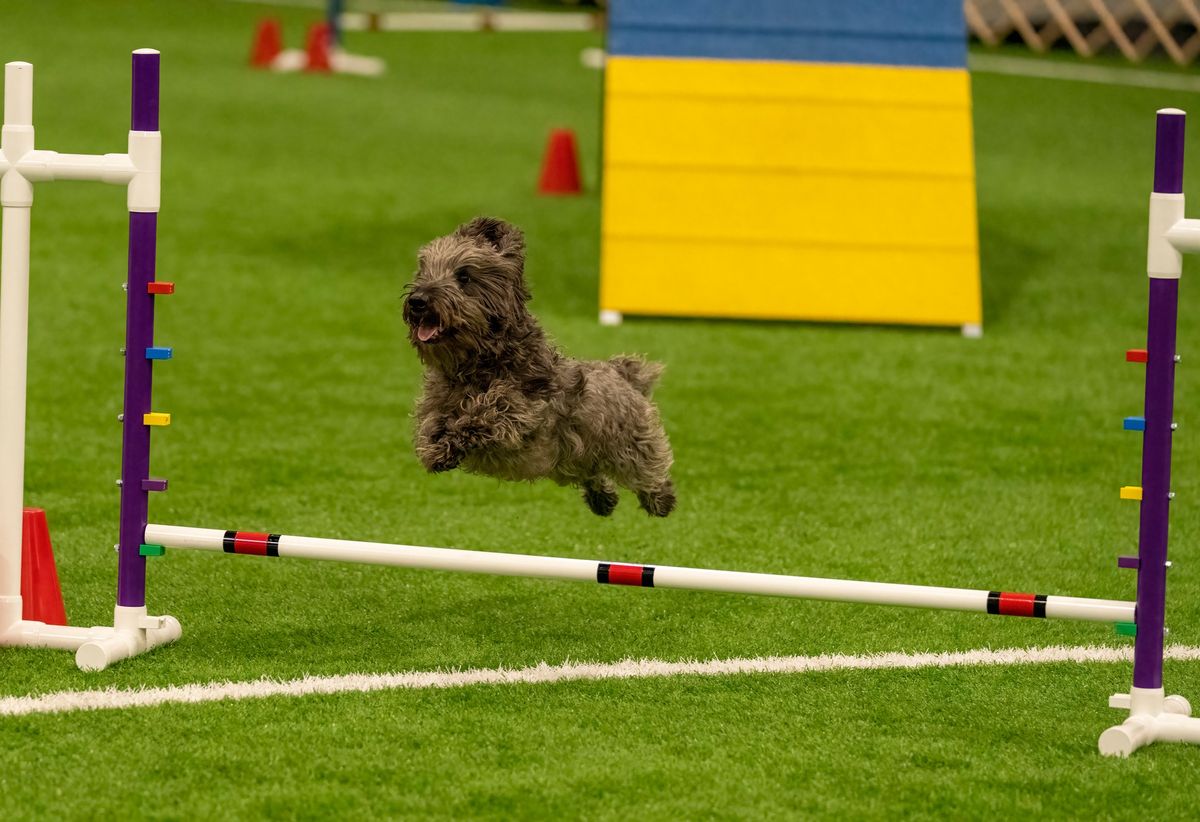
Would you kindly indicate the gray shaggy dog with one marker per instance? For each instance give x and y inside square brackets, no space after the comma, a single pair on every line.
[501,400]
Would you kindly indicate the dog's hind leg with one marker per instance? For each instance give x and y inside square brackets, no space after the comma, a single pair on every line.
[648,469]
[644,465]
[600,495]
[658,501]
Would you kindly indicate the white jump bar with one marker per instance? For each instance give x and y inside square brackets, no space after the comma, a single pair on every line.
[650,576]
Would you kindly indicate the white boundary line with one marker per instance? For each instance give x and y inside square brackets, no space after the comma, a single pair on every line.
[1053,70]
[112,698]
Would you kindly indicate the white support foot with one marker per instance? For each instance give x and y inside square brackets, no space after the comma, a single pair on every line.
[345,63]
[610,317]
[1153,717]
[290,60]
[132,633]
[95,648]
[972,331]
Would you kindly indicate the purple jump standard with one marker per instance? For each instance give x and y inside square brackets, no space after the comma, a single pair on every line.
[1153,716]
[1156,439]
[139,336]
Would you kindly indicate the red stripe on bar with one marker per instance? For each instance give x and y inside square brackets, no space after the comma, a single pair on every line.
[1135,355]
[1017,604]
[160,287]
[625,575]
[248,542]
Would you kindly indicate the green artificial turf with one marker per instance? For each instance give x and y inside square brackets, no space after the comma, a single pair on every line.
[292,209]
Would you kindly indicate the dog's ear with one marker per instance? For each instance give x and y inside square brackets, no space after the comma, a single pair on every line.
[504,237]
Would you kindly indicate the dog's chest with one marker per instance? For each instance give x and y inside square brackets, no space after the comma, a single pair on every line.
[533,460]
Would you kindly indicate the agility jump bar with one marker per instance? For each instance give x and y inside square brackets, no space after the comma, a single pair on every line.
[1002,603]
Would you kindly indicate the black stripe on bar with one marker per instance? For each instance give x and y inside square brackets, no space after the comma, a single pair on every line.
[648,576]
[602,573]
[993,603]
[1039,606]
[227,542]
[273,545]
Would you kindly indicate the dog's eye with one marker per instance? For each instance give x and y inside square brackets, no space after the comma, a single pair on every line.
[463,276]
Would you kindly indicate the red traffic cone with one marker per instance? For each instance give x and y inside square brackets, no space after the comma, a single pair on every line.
[41,598]
[560,168]
[317,48]
[268,42]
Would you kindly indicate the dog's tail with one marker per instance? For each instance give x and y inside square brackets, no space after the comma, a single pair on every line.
[637,372]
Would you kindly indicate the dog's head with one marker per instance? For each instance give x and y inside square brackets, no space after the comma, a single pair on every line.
[469,292]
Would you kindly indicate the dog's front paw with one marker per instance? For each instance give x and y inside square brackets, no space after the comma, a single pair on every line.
[447,463]
[440,456]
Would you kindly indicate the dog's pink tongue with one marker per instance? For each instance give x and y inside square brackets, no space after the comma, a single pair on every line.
[425,333]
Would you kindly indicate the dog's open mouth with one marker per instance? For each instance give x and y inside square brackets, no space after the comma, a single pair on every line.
[429,330]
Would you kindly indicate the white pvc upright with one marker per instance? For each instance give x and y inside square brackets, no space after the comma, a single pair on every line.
[16,198]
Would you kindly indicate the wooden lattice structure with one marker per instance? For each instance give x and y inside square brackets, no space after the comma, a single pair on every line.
[1134,27]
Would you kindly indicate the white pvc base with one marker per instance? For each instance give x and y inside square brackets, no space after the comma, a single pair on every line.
[340,62]
[610,317]
[972,331]
[290,60]
[343,62]
[1153,717]
[96,648]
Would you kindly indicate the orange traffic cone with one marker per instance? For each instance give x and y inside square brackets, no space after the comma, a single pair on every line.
[268,42]
[317,48]
[560,168]
[41,598]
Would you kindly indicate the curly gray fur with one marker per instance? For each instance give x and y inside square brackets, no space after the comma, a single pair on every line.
[499,399]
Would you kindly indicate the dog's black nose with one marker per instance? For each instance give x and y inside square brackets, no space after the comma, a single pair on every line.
[416,305]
